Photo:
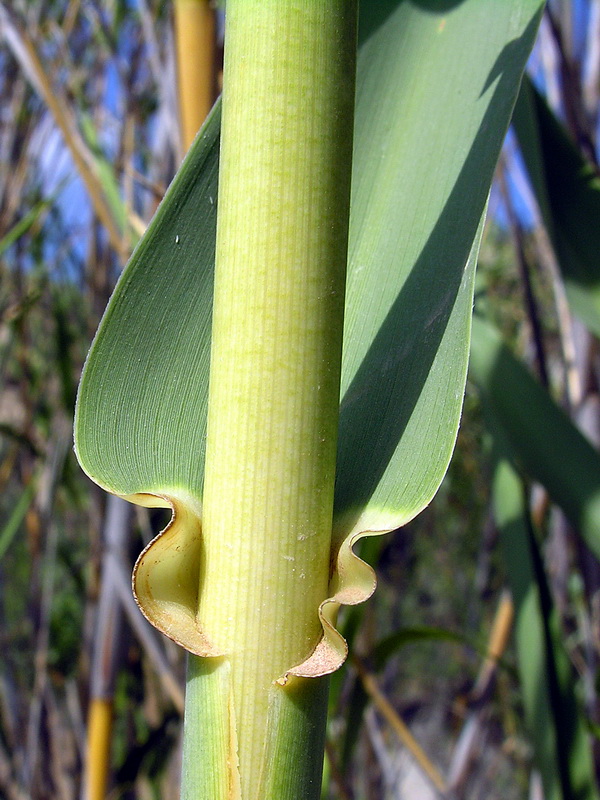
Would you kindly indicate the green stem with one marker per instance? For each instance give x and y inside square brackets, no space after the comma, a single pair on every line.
[275,366]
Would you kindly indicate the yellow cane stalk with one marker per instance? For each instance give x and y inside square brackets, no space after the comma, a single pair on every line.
[275,362]
[196,37]
[100,721]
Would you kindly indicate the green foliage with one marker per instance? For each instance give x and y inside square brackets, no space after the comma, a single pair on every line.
[552,716]
[568,193]
[565,463]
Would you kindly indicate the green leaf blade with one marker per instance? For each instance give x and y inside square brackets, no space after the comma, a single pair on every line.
[146,376]
[436,87]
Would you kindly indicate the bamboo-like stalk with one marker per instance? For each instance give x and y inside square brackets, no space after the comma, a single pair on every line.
[100,723]
[107,641]
[195,31]
[274,389]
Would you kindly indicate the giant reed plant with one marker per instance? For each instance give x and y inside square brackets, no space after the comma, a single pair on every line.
[249,574]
